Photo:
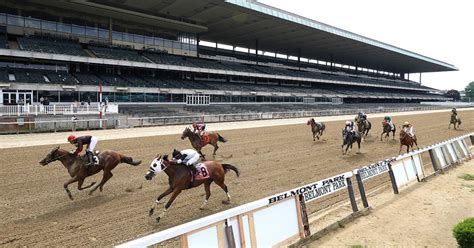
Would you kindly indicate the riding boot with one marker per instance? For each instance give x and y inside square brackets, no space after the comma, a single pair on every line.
[90,159]
[195,171]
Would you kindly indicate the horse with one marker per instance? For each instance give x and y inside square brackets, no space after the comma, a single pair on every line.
[386,129]
[363,126]
[107,161]
[454,120]
[198,143]
[316,128]
[407,140]
[181,178]
[349,139]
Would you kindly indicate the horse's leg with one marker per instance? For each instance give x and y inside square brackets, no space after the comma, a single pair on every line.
[215,149]
[72,180]
[80,182]
[207,187]
[175,194]
[105,177]
[358,145]
[224,187]
[400,151]
[381,135]
[167,192]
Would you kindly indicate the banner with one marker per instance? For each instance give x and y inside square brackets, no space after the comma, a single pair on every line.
[373,170]
[315,190]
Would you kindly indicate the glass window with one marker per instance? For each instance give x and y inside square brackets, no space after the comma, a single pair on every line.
[127,37]
[51,26]
[64,28]
[122,97]
[92,32]
[193,48]
[168,44]
[69,96]
[88,97]
[15,20]
[185,46]
[3,19]
[159,42]
[32,23]
[178,98]
[165,97]
[176,45]
[103,34]
[110,96]
[139,39]
[117,35]
[76,29]
[150,97]
[51,96]
[137,97]
[149,41]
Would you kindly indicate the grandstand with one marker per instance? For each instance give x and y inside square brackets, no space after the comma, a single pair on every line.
[154,54]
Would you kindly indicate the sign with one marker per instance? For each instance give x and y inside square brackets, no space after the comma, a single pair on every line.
[373,170]
[315,190]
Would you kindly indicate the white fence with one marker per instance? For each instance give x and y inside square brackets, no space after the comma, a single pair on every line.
[450,104]
[278,219]
[55,109]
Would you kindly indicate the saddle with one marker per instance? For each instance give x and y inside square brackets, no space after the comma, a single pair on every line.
[204,138]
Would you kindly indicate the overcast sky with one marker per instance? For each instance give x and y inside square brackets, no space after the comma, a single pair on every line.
[442,30]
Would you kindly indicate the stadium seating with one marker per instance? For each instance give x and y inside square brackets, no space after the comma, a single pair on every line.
[163,58]
[51,45]
[60,78]
[117,53]
[3,75]
[87,78]
[29,76]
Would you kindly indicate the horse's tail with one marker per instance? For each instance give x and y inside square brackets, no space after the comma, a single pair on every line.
[228,167]
[129,160]
[221,139]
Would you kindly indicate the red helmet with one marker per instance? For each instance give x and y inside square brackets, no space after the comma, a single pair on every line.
[194,124]
[71,138]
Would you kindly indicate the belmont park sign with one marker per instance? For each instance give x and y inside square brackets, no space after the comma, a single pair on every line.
[315,190]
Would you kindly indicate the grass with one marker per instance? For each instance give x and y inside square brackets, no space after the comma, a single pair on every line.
[469,186]
[357,246]
[467,177]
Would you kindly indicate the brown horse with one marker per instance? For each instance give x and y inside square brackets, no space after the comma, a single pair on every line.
[407,140]
[74,164]
[364,127]
[180,178]
[386,129]
[454,120]
[316,128]
[198,143]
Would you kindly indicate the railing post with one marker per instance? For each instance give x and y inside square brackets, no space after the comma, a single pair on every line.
[360,184]
[54,109]
[36,110]
[392,179]
[18,110]
[55,126]
[350,189]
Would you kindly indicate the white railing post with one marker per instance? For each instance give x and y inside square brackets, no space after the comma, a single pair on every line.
[54,109]
[18,110]
[36,110]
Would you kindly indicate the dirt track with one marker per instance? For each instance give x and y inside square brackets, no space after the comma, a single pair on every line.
[36,211]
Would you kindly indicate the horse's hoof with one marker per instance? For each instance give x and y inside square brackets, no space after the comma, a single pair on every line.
[226,202]
[70,197]
[150,212]
[201,208]
[90,192]
[158,220]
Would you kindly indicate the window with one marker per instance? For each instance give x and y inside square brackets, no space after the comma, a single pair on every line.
[69,96]
[80,30]
[31,23]
[92,32]
[117,35]
[50,26]
[64,28]
[15,21]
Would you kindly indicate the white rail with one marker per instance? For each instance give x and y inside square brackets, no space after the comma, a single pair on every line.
[55,109]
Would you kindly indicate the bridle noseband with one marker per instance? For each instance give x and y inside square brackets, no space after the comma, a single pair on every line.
[54,159]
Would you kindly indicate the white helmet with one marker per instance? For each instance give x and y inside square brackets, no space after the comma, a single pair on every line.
[348,123]
[406,123]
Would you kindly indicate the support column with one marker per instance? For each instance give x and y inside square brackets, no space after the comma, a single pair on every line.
[256,51]
[198,39]
[299,59]
[110,30]
[420,78]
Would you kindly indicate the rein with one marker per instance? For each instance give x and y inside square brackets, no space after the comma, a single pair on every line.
[52,160]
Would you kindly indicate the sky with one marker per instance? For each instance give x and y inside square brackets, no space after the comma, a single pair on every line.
[439,29]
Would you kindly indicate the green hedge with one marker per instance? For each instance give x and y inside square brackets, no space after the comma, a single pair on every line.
[464,233]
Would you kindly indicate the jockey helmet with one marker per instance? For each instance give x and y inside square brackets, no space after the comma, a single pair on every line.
[406,123]
[454,108]
[348,123]
[176,153]
[71,138]
[194,124]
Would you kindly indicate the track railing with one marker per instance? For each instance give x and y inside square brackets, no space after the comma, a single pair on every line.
[55,109]
[282,218]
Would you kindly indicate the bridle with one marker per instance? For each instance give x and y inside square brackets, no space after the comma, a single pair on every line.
[54,159]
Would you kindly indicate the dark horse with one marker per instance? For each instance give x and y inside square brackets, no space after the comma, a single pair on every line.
[386,129]
[108,160]
[454,120]
[316,128]
[349,139]
[180,178]
[407,140]
[198,143]
[363,126]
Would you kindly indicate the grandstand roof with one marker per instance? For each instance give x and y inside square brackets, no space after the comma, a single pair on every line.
[242,22]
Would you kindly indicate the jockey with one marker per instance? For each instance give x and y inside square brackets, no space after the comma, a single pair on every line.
[362,116]
[408,128]
[454,112]
[350,127]
[188,157]
[199,128]
[79,142]
[388,119]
